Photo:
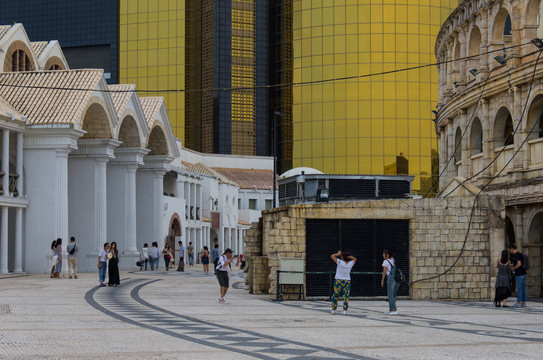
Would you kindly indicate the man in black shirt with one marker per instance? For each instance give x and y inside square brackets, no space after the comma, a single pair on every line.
[520,275]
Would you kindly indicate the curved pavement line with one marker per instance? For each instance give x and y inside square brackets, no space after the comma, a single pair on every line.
[510,333]
[134,294]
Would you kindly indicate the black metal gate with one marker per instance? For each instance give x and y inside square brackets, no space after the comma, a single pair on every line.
[365,240]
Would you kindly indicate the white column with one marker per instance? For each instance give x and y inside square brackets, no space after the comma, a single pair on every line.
[4,239]
[234,237]
[220,235]
[61,202]
[19,164]
[5,164]
[130,239]
[18,265]
[100,209]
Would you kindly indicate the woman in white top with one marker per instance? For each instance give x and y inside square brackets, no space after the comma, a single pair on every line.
[144,256]
[342,285]
[389,270]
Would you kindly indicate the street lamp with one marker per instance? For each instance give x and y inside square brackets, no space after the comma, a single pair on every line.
[276,113]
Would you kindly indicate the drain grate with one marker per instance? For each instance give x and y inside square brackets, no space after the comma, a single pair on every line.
[4,309]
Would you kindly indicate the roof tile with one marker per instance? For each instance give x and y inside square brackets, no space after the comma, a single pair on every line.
[249,178]
[151,106]
[120,96]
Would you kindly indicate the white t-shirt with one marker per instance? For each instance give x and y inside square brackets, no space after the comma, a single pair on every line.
[145,253]
[386,264]
[343,270]
[222,260]
[103,255]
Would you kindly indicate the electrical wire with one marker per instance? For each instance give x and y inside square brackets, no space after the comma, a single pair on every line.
[489,182]
[269,86]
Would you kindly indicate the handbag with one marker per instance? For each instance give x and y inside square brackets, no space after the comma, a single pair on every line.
[169,257]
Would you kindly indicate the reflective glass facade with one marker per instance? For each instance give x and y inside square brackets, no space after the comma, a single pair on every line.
[152,52]
[368,125]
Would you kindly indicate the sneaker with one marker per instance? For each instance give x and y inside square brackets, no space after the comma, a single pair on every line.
[102,285]
[344,312]
[333,312]
[225,301]
[524,305]
[394,313]
[387,312]
[75,276]
[517,305]
[221,301]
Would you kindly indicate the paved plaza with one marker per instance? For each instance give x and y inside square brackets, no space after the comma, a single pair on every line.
[171,315]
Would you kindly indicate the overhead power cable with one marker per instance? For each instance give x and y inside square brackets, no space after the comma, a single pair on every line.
[269,86]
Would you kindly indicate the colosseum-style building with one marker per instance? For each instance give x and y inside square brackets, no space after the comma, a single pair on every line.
[490,113]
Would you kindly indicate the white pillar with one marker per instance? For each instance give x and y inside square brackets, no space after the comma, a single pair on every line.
[61,201]
[19,164]
[18,265]
[4,239]
[234,237]
[5,163]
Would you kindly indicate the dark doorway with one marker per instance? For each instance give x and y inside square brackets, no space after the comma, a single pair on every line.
[365,240]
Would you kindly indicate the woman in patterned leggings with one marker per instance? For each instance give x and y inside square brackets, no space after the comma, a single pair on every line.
[342,285]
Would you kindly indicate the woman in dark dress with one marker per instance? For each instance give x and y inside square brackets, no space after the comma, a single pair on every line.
[113,266]
[503,281]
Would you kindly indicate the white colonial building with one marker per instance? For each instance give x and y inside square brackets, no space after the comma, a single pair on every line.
[81,158]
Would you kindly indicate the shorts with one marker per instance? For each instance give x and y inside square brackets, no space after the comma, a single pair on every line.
[222,276]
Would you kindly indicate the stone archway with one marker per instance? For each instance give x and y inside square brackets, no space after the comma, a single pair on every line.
[534,281]
[175,225]
[510,237]
[129,133]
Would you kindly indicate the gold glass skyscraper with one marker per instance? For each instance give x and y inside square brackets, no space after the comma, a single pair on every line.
[369,125]
[152,52]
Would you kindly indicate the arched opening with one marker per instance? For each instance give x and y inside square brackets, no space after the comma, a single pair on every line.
[510,237]
[157,143]
[18,59]
[456,63]
[474,48]
[96,123]
[535,235]
[476,139]
[535,115]
[532,20]
[54,63]
[128,133]
[503,128]
[501,31]
[458,145]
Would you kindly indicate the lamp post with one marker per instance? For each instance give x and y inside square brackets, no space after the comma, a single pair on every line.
[275,114]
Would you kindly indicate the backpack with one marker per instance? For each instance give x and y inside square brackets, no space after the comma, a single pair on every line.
[525,262]
[398,273]
[71,252]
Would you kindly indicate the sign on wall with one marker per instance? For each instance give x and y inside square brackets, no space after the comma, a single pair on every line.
[215,220]
[291,271]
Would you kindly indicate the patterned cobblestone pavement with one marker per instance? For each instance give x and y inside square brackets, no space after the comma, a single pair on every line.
[171,315]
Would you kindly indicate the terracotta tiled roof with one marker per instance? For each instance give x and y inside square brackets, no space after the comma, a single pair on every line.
[202,169]
[243,223]
[38,47]
[186,163]
[249,178]
[41,98]
[7,111]
[205,219]
[4,29]
[120,96]
[151,106]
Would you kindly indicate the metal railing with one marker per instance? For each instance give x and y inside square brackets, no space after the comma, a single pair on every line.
[280,293]
[12,184]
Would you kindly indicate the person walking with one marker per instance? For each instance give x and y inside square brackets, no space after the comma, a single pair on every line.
[222,272]
[58,253]
[190,251]
[144,256]
[102,264]
[53,258]
[72,250]
[167,252]
[204,258]
[113,269]
[154,255]
[215,257]
[503,280]
[181,265]
[389,270]
[520,273]
[342,284]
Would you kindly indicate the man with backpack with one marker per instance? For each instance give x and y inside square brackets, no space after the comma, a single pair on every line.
[72,250]
[222,272]
[519,265]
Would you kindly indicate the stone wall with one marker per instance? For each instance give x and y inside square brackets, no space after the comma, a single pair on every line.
[438,232]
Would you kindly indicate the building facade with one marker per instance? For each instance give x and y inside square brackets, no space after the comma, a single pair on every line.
[98,162]
[87,30]
[490,113]
[359,125]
